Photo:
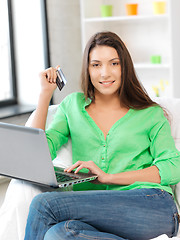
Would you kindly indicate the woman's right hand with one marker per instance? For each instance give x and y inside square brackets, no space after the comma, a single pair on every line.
[48,85]
[48,80]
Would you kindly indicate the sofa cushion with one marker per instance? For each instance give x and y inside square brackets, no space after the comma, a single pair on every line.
[172,107]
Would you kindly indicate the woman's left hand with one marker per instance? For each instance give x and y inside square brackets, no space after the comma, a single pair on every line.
[92,167]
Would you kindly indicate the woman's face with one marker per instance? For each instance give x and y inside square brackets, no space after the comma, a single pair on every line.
[105,70]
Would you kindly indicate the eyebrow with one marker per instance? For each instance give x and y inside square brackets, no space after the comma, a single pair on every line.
[109,60]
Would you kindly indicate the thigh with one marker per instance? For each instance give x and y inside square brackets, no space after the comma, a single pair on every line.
[133,214]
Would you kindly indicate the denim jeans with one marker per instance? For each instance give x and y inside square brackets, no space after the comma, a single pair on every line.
[133,214]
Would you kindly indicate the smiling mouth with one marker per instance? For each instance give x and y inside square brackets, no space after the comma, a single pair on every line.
[107,82]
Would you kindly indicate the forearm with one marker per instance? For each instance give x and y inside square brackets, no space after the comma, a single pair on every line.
[40,114]
[150,174]
[48,85]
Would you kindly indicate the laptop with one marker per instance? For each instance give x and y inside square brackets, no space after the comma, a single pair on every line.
[24,154]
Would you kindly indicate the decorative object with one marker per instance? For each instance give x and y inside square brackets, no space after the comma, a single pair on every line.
[106,10]
[132,9]
[160,88]
[156,59]
[159,7]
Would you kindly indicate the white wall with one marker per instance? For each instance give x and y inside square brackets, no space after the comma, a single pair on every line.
[65,42]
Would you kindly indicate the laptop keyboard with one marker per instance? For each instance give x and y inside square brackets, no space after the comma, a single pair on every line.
[63,178]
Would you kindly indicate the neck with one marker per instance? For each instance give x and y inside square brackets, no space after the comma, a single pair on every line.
[106,101]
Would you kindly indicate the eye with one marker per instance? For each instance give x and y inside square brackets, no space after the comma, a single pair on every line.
[95,64]
[115,63]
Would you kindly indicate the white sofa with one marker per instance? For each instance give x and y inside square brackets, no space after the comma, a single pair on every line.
[14,211]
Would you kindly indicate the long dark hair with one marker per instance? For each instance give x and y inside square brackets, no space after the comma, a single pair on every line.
[131,92]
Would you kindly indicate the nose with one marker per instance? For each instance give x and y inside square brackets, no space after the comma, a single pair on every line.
[105,72]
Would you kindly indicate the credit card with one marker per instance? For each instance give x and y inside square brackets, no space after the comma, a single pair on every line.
[60,80]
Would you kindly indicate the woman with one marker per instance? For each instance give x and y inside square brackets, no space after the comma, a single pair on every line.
[122,136]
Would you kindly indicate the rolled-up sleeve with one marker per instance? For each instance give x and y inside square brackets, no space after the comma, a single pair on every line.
[166,156]
[58,132]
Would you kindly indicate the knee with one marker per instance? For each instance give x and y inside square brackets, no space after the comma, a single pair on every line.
[56,232]
[67,229]
[40,202]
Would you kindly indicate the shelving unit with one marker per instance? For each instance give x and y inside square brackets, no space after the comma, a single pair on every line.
[145,35]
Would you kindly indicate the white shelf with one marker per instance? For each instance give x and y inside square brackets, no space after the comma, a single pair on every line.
[127,18]
[150,66]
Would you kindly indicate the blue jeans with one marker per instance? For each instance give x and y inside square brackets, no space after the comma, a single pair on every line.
[133,214]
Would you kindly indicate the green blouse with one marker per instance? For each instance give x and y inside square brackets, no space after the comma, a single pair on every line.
[138,140]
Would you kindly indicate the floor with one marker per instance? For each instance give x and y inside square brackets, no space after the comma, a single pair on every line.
[3,188]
